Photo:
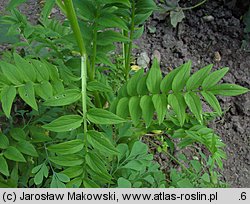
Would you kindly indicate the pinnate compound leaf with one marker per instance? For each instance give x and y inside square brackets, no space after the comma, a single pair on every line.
[110,20]
[73,172]
[101,143]
[64,123]
[96,164]
[42,72]
[197,78]
[166,83]
[154,78]
[181,77]
[141,18]
[66,98]
[142,86]
[113,105]
[146,6]
[138,32]
[109,37]
[62,177]
[98,86]
[103,117]
[122,109]
[123,91]
[7,97]
[228,89]
[13,154]
[135,109]
[87,10]
[11,73]
[26,68]
[36,169]
[44,90]
[133,82]
[67,160]
[160,104]
[56,183]
[27,93]
[213,78]
[90,184]
[147,107]
[69,147]
[4,169]
[212,101]
[194,103]
[47,8]
[38,179]
[58,86]
[75,183]
[178,104]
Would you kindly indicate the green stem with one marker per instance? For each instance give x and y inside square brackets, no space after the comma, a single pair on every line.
[84,85]
[132,28]
[197,5]
[125,51]
[94,54]
[71,15]
[47,158]
[84,97]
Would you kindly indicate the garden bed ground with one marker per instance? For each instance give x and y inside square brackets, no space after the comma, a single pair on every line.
[200,41]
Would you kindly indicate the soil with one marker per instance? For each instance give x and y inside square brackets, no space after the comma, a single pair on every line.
[216,41]
[204,42]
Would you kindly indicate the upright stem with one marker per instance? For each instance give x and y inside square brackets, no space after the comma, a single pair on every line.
[71,14]
[84,97]
[94,54]
[132,28]
[70,11]
[125,51]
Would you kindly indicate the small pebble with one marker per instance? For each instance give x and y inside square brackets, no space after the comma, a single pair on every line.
[217,57]
[208,18]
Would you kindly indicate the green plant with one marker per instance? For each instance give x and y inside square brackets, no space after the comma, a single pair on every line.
[143,96]
[175,11]
[199,172]
[73,128]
